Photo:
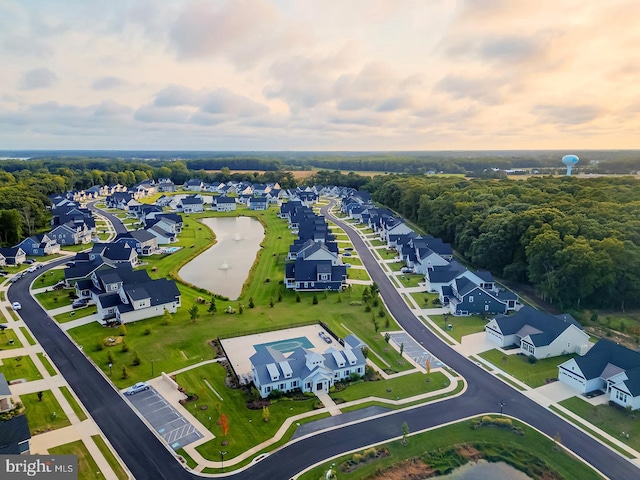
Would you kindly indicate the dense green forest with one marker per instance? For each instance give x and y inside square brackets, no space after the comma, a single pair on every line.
[576,240]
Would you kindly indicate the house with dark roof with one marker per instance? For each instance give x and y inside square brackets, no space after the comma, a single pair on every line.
[71,233]
[537,333]
[83,268]
[125,295]
[145,243]
[608,367]
[224,203]
[166,185]
[13,255]
[303,369]
[315,275]
[39,245]
[116,252]
[15,436]
[194,184]
[191,204]
[119,200]
[258,203]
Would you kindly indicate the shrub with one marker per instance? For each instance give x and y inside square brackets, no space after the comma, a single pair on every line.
[357,458]
[136,359]
[124,348]
[251,304]
[370,452]
[99,346]
[147,331]
[315,299]
[532,360]
[298,297]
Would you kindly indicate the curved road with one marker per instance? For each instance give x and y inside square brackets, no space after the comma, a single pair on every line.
[149,458]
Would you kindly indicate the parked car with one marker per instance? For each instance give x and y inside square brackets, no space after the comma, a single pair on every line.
[59,285]
[15,279]
[349,249]
[16,306]
[406,270]
[29,261]
[31,269]
[346,254]
[3,326]
[138,387]
[80,302]
[39,265]
[328,339]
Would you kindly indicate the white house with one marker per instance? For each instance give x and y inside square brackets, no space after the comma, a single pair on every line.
[304,369]
[537,333]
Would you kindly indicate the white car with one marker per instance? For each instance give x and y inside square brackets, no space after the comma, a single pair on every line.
[16,306]
[138,387]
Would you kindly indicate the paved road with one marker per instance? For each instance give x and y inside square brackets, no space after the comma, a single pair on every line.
[115,221]
[147,457]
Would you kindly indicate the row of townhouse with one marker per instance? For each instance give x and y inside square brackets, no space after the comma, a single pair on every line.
[314,262]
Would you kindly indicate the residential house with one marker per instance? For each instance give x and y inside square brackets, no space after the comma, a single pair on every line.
[125,295]
[164,201]
[119,200]
[191,204]
[15,436]
[466,297]
[39,245]
[258,203]
[72,213]
[194,184]
[71,233]
[166,185]
[537,333]
[83,268]
[3,261]
[6,402]
[224,203]
[13,255]
[315,275]
[303,369]
[608,367]
[145,243]
[116,252]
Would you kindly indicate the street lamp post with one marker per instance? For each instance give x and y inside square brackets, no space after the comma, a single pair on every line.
[152,368]
[209,423]
[222,454]
[110,369]
[502,405]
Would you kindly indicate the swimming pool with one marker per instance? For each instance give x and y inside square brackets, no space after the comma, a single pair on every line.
[171,249]
[288,345]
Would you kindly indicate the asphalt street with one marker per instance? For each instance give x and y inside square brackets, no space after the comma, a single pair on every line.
[147,457]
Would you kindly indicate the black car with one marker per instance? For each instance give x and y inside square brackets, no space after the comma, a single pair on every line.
[3,326]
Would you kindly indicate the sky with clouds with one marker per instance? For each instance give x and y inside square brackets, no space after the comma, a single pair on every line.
[319,75]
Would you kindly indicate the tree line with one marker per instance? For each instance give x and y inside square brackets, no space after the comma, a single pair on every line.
[577,241]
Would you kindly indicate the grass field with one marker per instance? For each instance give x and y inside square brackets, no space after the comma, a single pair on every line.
[74,404]
[246,427]
[8,340]
[357,274]
[109,457]
[76,314]
[396,266]
[394,388]
[28,336]
[537,445]
[54,298]
[19,367]
[609,419]
[47,364]
[461,325]
[87,467]
[425,299]
[387,254]
[50,278]
[45,415]
[533,375]
[410,279]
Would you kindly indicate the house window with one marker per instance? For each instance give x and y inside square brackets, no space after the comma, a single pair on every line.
[294,383]
[486,308]
[471,298]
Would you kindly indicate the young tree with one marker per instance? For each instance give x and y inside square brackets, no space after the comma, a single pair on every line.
[266,415]
[224,424]
[212,306]
[125,373]
[271,304]
[123,330]
[194,312]
[279,296]
[387,337]
[401,349]
[375,289]
[405,432]
[40,394]
[251,304]
[298,297]
[166,317]
[110,357]
[136,359]
[315,299]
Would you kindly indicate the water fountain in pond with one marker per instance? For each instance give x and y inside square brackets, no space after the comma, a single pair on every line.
[236,237]
[224,266]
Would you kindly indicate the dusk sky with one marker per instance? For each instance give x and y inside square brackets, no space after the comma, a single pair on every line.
[323,75]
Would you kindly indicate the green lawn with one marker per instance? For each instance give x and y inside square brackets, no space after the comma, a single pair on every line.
[612,420]
[352,260]
[110,458]
[394,388]
[54,298]
[28,336]
[74,404]
[461,325]
[77,248]
[76,314]
[532,442]
[357,274]
[425,299]
[246,427]
[387,254]
[41,414]
[50,278]
[410,279]
[6,338]
[533,375]
[47,364]
[375,242]
[15,368]
[3,319]
[396,266]
[87,467]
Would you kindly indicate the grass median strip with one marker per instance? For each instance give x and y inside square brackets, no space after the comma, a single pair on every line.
[47,364]
[87,466]
[110,457]
[28,336]
[74,404]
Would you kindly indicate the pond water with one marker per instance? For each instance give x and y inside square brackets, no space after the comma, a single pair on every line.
[483,470]
[224,267]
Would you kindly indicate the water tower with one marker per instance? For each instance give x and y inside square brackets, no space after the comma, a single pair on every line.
[570,161]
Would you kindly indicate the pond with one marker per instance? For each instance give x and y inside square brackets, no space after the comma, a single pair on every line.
[482,470]
[224,267]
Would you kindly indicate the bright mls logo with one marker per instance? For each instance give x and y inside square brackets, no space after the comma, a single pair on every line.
[40,467]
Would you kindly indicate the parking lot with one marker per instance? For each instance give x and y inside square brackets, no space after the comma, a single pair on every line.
[169,423]
[414,350]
